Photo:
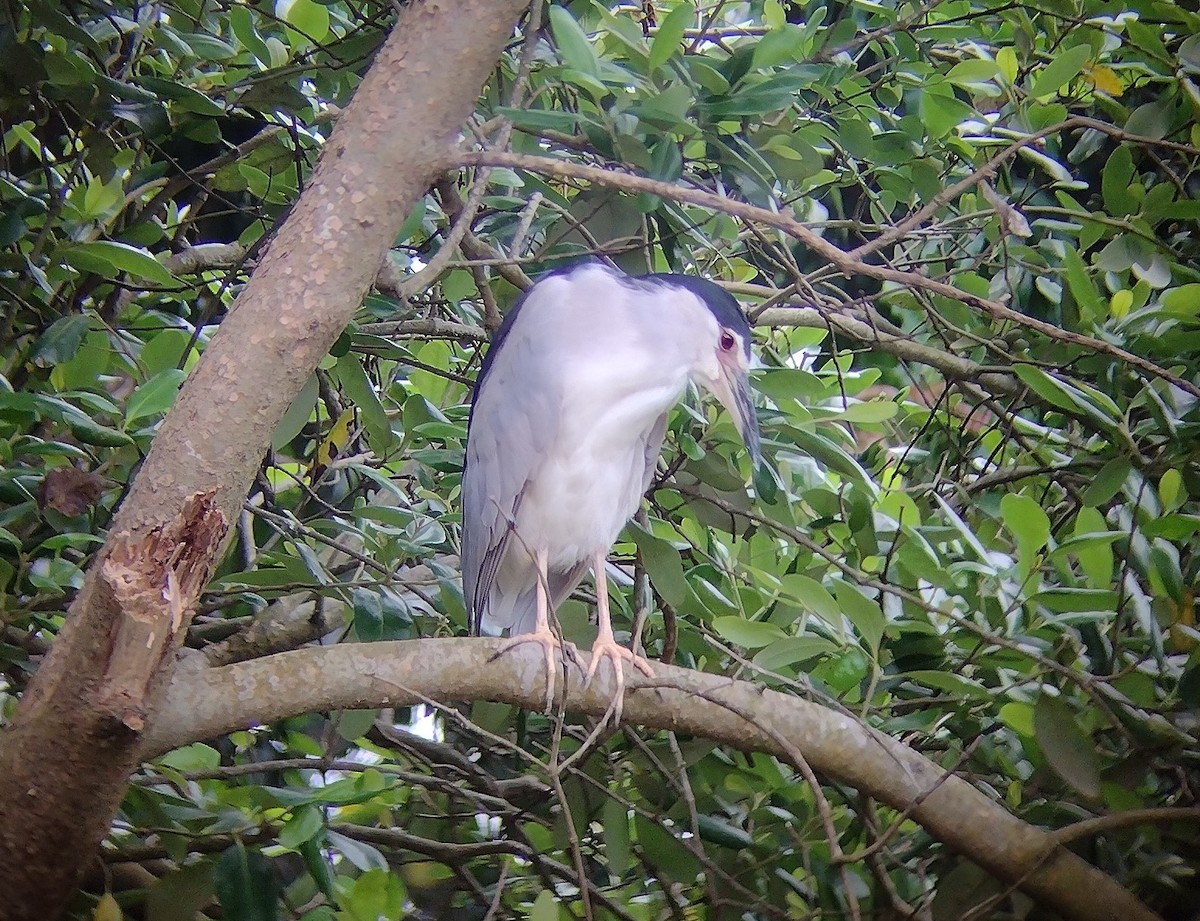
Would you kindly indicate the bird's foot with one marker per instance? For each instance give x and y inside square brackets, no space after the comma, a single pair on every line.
[550,644]
[617,654]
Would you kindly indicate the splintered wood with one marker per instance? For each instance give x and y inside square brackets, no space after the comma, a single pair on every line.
[154,580]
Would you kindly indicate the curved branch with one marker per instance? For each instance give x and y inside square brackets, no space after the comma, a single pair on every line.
[425,328]
[842,260]
[905,347]
[203,703]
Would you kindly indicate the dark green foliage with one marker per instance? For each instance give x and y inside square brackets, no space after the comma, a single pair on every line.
[999,569]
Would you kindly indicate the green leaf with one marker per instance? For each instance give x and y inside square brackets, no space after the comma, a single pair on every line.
[1006,60]
[61,340]
[1182,300]
[1170,488]
[181,893]
[208,47]
[615,818]
[1179,211]
[1108,482]
[165,351]
[545,907]
[757,99]
[792,650]
[1173,527]
[812,595]
[297,414]
[186,98]
[246,886]
[241,21]
[93,433]
[1063,68]
[1115,181]
[1028,523]
[358,387]
[155,396]
[973,71]
[305,822]
[1165,575]
[379,616]
[721,832]
[670,34]
[951,683]
[1064,600]
[572,42]
[445,431]
[318,866]
[1082,288]
[844,672]
[749,634]
[1095,557]
[1090,404]
[833,456]
[773,14]
[533,120]
[1018,717]
[870,411]
[1151,120]
[778,46]
[194,757]
[359,853]
[663,566]
[307,17]
[1067,749]
[376,894]
[110,259]
[663,851]
[941,111]
[866,615]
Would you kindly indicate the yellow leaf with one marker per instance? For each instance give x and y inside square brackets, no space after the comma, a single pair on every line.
[1182,637]
[336,440]
[1105,80]
[107,909]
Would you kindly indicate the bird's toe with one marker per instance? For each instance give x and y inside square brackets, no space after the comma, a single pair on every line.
[550,644]
[617,655]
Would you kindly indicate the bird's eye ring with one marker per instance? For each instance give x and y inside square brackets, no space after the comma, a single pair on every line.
[727,341]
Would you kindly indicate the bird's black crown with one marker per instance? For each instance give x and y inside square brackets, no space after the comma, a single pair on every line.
[721,303]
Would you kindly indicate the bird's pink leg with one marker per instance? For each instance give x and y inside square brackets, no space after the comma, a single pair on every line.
[606,646]
[542,635]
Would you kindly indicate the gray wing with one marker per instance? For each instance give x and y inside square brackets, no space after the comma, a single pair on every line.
[652,449]
[514,420]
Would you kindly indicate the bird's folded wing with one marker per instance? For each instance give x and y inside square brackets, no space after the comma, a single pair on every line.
[514,421]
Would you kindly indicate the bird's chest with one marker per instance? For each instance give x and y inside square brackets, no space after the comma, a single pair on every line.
[590,482]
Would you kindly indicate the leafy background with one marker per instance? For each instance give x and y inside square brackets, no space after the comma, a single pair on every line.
[975,529]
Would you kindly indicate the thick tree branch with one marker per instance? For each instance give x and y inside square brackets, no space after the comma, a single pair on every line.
[63,762]
[204,703]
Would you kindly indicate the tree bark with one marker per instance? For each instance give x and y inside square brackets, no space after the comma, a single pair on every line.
[77,733]
[204,703]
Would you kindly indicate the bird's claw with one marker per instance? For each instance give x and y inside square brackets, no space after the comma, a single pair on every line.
[549,643]
[617,654]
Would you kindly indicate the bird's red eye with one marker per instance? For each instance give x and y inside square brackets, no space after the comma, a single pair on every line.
[727,341]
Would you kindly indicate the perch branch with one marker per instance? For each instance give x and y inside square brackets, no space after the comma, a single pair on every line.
[204,703]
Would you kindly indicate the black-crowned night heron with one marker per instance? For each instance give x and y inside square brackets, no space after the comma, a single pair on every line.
[567,425]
